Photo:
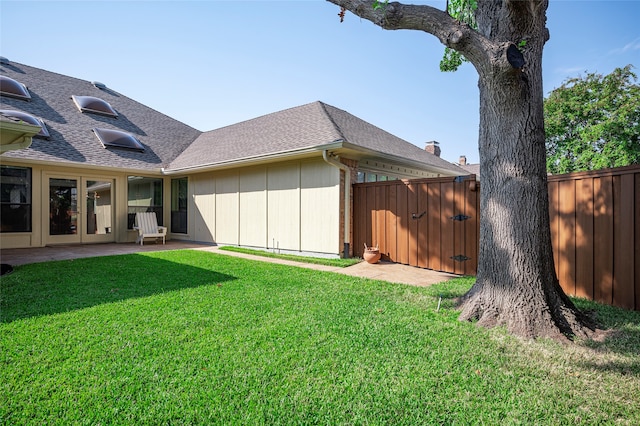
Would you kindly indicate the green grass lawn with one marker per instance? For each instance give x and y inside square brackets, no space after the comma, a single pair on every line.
[190,337]
[338,262]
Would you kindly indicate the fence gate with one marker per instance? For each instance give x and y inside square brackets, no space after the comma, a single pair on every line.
[429,223]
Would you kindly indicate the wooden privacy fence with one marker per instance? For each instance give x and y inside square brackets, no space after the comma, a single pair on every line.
[429,223]
[595,232]
[434,224]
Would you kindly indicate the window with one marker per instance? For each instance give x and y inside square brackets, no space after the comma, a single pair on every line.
[118,139]
[179,189]
[15,199]
[144,195]
[13,89]
[28,118]
[94,105]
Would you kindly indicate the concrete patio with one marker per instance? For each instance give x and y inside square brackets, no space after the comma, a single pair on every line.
[386,271]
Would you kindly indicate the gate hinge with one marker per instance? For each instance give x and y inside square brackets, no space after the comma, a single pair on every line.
[460,258]
[460,217]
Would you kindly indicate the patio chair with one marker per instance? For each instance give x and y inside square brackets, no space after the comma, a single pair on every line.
[147,226]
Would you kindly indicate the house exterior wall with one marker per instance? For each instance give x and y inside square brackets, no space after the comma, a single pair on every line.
[115,219]
[290,206]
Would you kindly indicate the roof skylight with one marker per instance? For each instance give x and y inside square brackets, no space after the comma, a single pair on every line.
[118,139]
[14,89]
[28,118]
[94,105]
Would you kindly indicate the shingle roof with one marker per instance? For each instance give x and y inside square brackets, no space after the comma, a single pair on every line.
[173,145]
[72,139]
[305,127]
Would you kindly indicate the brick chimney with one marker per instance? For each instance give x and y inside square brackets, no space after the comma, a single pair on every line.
[463,160]
[433,147]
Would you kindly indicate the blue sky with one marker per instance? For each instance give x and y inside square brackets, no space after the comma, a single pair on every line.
[214,63]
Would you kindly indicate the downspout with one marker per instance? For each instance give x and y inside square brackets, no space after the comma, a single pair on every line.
[347,198]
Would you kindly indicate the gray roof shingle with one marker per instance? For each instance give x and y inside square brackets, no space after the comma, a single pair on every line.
[72,140]
[172,145]
[310,126]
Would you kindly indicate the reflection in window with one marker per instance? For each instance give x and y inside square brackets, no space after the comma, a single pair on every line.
[179,205]
[144,194]
[98,207]
[63,206]
[15,199]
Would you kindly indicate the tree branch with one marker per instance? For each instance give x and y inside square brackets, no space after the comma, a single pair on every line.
[458,36]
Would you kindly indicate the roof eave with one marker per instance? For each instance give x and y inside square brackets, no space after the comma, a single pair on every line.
[253,160]
[31,162]
[404,160]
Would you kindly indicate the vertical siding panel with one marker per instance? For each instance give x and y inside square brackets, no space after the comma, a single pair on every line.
[253,208]
[623,273]
[567,237]
[391,224]
[204,197]
[401,224]
[603,229]
[412,207]
[227,211]
[446,224]
[320,203]
[584,238]
[423,225]
[433,216]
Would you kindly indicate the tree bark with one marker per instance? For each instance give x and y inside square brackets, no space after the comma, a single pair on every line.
[516,283]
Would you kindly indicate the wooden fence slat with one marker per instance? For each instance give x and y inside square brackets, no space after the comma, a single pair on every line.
[447,228]
[423,226]
[435,234]
[623,242]
[566,237]
[584,238]
[603,248]
[402,225]
[379,232]
[458,226]
[391,224]
[412,207]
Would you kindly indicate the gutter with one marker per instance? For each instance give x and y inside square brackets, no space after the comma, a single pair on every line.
[249,160]
[347,197]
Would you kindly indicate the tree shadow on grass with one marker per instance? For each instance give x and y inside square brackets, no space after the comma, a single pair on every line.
[620,337]
[54,287]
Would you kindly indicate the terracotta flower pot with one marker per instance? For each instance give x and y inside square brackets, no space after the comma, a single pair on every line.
[371,254]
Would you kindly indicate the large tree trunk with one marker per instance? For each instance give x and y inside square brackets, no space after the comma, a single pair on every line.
[516,283]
